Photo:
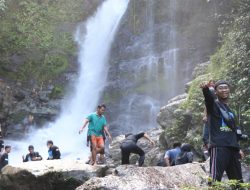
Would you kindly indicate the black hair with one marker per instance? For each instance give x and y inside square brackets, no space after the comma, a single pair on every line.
[31,147]
[186,147]
[50,142]
[128,134]
[176,144]
[7,146]
[101,106]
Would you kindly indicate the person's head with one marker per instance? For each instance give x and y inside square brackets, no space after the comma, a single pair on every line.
[101,109]
[186,147]
[31,149]
[7,149]
[49,143]
[222,89]
[127,134]
[176,144]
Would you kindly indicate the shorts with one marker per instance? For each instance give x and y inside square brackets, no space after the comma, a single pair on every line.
[98,141]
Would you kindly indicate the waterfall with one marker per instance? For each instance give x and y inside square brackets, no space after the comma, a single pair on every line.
[94,40]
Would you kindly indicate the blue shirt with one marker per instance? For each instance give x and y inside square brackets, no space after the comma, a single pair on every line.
[172,154]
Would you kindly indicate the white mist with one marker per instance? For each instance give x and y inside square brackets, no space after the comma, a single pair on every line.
[94,46]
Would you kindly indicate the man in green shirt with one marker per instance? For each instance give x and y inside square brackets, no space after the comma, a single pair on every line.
[97,126]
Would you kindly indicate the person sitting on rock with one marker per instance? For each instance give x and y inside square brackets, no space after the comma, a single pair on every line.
[4,159]
[32,156]
[185,156]
[170,155]
[129,146]
[54,152]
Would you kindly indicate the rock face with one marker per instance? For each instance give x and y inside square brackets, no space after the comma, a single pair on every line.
[166,116]
[142,178]
[48,175]
[153,153]
[17,102]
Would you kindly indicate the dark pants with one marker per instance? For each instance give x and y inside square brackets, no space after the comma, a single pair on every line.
[127,148]
[225,159]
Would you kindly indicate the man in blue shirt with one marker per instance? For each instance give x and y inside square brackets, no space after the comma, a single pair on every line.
[170,155]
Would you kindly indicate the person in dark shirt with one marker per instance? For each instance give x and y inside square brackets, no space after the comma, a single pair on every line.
[1,146]
[129,146]
[185,156]
[32,156]
[54,152]
[223,144]
[4,159]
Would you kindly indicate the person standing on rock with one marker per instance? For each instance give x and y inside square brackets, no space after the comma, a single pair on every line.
[223,144]
[97,126]
[129,145]
[170,155]
[54,152]
[4,159]
[32,156]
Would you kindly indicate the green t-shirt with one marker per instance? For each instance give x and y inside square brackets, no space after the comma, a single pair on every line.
[96,124]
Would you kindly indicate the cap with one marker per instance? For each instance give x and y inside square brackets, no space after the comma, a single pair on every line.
[219,82]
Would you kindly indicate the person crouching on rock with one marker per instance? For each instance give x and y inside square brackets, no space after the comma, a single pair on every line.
[4,160]
[97,124]
[32,156]
[185,156]
[54,152]
[129,146]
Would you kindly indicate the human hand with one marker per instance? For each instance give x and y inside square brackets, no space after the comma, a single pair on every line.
[242,154]
[203,85]
[80,131]
[152,142]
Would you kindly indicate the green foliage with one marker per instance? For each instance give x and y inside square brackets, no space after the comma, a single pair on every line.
[2,5]
[57,92]
[230,62]
[37,32]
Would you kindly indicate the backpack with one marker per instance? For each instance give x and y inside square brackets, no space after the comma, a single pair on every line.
[183,158]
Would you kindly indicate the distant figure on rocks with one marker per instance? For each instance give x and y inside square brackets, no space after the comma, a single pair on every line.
[27,122]
[1,147]
[185,156]
[54,152]
[97,126]
[129,146]
[170,155]
[32,156]
[4,159]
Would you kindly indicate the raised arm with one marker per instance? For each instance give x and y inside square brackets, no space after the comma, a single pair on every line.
[209,97]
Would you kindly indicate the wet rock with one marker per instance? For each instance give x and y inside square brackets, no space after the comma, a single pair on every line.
[19,96]
[141,178]
[49,175]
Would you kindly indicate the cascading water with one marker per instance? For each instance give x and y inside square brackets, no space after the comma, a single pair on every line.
[94,47]
[151,78]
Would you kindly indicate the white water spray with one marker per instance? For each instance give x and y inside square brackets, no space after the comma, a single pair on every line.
[94,46]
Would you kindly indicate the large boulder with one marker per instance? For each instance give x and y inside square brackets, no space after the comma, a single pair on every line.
[140,178]
[153,153]
[166,116]
[48,175]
